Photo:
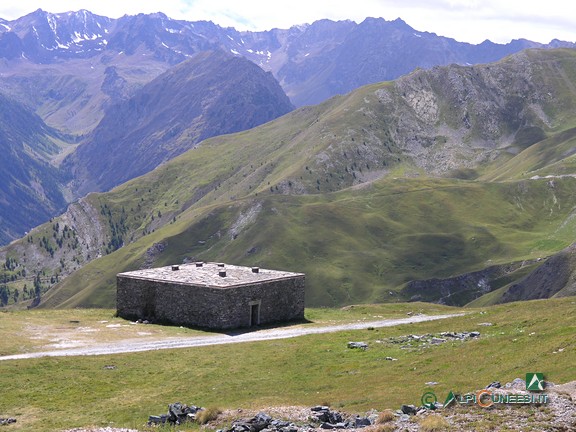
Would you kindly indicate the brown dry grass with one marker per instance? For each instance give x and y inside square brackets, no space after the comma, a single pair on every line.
[385,417]
[434,423]
[208,415]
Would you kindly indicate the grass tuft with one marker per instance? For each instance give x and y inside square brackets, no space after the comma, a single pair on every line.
[434,423]
[207,415]
[385,417]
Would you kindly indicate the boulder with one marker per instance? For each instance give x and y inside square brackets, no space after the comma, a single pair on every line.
[320,408]
[260,421]
[408,409]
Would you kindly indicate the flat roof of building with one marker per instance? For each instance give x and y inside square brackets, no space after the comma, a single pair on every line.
[209,275]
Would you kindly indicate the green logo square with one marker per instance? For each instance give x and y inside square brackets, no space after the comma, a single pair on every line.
[535,381]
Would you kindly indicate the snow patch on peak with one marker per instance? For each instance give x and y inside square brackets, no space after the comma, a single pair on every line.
[52,23]
[77,37]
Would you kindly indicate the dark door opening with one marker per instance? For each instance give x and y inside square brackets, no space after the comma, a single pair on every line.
[254,314]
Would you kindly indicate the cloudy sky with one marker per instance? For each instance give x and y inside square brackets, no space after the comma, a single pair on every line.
[465,20]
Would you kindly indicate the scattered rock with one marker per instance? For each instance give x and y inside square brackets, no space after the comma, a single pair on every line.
[358,345]
[404,418]
[325,415]
[560,415]
[518,384]
[494,384]
[262,422]
[413,341]
[390,359]
[486,324]
[360,422]
[7,421]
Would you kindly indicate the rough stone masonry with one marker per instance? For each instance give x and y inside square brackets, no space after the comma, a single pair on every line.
[211,295]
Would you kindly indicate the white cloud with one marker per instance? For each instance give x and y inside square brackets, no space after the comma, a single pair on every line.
[464,20]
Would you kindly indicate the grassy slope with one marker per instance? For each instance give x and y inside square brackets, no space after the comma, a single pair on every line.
[358,244]
[45,394]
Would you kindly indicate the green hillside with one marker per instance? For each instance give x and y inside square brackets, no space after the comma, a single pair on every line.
[356,245]
[429,176]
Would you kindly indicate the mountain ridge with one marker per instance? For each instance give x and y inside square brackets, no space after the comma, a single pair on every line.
[210,94]
[352,183]
[312,62]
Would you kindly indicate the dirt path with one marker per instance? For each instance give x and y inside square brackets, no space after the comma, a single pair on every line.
[129,346]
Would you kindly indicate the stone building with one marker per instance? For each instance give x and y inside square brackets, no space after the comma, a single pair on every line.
[211,295]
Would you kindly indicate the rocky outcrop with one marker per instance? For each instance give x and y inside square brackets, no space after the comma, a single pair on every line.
[556,277]
[320,417]
[462,289]
[178,413]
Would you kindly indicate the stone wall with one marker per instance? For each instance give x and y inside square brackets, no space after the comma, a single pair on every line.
[219,308]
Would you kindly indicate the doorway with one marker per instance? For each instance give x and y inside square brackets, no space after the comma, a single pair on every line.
[254,313]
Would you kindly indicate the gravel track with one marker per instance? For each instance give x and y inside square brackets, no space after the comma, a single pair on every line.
[131,346]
